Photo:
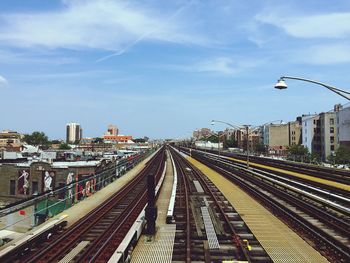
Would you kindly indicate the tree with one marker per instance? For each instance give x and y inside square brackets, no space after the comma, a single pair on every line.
[139,140]
[341,156]
[298,151]
[260,148]
[98,140]
[37,139]
[230,143]
[64,146]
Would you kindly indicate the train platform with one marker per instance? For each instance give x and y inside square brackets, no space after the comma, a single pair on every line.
[79,210]
[299,175]
[280,242]
[160,247]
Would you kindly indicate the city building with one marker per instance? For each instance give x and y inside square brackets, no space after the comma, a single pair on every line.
[295,132]
[311,133]
[74,132]
[117,138]
[328,134]
[10,140]
[276,138]
[112,130]
[202,133]
[343,126]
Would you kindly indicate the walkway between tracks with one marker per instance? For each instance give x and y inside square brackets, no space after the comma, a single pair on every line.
[279,241]
[160,247]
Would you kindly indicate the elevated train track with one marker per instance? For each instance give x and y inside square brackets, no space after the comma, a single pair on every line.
[208,227]
[317,214]
[96,236]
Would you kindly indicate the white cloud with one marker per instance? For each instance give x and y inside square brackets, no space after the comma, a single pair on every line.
[3,82]
[324,54]
[332,25]
[219,65]
[103,24]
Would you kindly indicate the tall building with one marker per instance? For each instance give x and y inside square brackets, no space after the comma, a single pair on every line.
[311,133]
[74,132]
[343,127]
[294,130]
[328,134]
[112,130]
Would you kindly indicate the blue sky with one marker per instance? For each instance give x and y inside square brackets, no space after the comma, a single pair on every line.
[165,68]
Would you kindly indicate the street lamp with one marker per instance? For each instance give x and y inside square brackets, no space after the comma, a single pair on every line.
[281,84]
[247,132]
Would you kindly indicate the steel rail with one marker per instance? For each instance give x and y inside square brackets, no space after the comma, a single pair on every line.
[321,235]
[72,234]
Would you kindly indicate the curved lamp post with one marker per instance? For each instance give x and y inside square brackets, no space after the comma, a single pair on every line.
[281,84]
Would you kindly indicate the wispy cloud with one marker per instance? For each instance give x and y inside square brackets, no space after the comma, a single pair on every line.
[10,57]
[218,65]
[3,82]
[104,24]
[323,54]
[331,25]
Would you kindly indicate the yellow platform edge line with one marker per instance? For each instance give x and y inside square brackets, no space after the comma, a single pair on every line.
[300,175]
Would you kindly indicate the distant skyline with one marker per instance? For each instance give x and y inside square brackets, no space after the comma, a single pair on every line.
[164,68]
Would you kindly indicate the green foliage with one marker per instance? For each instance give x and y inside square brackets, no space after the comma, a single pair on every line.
[55,142]
[64,146]
[341,156]
[98,140]
[230,143]
[212,138]
[260,148]
[37,139]
[139,140]
[298,150]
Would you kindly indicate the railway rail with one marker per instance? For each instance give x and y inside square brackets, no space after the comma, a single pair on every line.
[310,214]
[336,175]
[96,236]
[208,227]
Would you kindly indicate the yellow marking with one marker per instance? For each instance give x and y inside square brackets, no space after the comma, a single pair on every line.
[280,242]
[300,175]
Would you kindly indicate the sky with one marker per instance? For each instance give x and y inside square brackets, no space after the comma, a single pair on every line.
[164,68]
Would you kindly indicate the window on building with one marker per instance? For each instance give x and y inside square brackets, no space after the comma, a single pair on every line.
[331,121]
[12,187]
[332,147]
[332,139]
[35,188]
[331,130]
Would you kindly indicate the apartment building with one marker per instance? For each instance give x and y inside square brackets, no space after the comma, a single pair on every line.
[343,126]
[328,134]
[311,133]
[74,132]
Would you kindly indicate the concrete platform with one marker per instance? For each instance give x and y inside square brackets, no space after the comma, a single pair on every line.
[76,212]
[280,242]
[160,247]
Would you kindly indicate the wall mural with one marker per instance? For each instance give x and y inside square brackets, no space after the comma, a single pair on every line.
[48,180]
[23,182]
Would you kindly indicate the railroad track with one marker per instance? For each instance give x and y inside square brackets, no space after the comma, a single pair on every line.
[312,216]
[208,227]
[96,236]
[336,175]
